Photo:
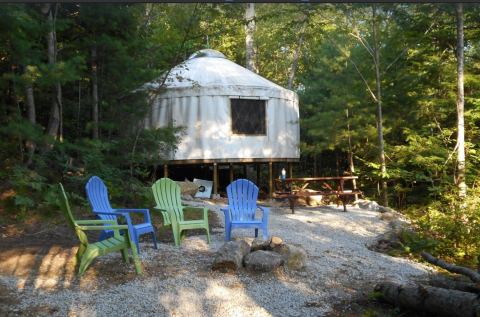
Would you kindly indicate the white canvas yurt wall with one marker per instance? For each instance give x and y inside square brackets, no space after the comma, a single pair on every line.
[199,97]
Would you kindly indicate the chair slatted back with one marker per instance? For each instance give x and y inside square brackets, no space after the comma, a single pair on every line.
[98,197]
[242,199]
[167,196]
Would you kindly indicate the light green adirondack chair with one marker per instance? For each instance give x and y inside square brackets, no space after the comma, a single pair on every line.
[86,251]
[167,196]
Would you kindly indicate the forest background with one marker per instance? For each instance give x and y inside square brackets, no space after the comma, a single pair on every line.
[380,86]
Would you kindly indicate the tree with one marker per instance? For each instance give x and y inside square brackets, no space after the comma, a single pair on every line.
[460,105]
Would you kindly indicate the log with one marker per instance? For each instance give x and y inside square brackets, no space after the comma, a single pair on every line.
[432,300]
[276,240]
[456,285]
[474,276]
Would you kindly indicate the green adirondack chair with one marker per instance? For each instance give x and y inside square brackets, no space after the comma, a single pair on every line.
[86,251]
[167,196]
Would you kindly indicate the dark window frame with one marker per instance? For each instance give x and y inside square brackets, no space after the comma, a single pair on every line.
[237,103]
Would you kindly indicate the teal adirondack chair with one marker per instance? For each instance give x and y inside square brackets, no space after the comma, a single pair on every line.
[167,196]
[86,251]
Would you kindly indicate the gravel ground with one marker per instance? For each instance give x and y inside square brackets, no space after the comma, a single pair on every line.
[177,281]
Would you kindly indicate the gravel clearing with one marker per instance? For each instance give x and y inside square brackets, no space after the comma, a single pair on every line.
[177,281]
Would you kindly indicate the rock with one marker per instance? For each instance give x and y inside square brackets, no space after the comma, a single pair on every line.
[367,205]
[187,197]
[398,224]
[383,209]
[295,257]
[388,216]
[259,244]
[230,256]
[314,200]
[390,238]
[188,188]
[264,261]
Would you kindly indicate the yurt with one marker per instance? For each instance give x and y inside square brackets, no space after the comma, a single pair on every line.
[231,115]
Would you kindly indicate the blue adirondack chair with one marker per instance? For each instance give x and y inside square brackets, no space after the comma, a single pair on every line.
[242,205]
[98,196]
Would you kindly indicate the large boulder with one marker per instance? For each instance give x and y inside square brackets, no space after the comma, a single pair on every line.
[264,261]
[313,201]
[259,244]
[294,256]
[230,256]
[367,205]
[188,188]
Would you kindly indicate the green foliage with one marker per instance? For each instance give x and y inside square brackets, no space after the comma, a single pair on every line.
[448,227]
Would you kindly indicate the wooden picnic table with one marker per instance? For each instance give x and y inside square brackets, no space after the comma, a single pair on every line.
[340,191]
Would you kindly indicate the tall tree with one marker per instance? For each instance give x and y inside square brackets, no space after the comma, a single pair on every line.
[249,37]
[376,59]
[462,186]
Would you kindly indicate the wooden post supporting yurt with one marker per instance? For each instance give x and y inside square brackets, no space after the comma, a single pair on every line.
[231,173]
[270,179]
[165,170]
[215,178]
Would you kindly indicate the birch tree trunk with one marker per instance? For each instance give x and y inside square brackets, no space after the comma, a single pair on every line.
[297,54]
[383,167]
[460,105]
[30,102]
[54,119]
[249,37]
[94,92]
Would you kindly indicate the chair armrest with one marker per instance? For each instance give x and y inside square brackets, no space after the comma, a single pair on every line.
[96,222]
[145,212]
[265,211]
[126,215]
[226,212]
[102,227]
[165,214]
[205,210]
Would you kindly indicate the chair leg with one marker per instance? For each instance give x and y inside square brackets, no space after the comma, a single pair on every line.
[86,260]
[256,232]
[183,234]
[154,240]
[265,233]
[125,255]
[208,236]
[102,236]
[79,255]
[136,259]
[176,235]
[136,243]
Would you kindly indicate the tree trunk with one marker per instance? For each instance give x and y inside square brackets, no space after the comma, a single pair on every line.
[460,105]
[54,119]
[455,285]
[249,36]
[297,54]
[471,274]
[383,167]
[94,91]
[30,101]
[433,300]
[350,155]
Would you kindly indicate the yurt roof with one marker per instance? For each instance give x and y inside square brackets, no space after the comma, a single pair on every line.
[209,72]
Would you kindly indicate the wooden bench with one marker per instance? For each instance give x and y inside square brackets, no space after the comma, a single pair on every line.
[340,192]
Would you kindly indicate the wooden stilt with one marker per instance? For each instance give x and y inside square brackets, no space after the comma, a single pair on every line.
[215,178]
[270,179]
[258,174]
[290,170]
[231,173]
[165,171]
[245,171]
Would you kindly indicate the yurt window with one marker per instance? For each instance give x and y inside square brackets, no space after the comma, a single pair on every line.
[248,116]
